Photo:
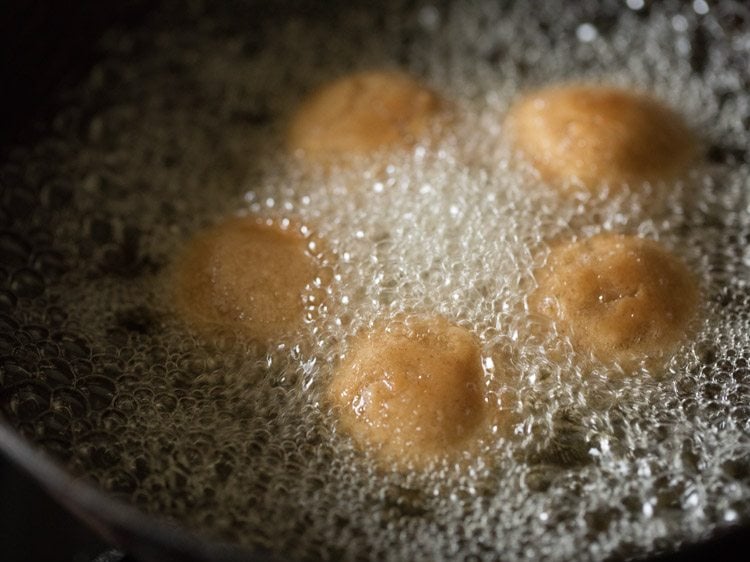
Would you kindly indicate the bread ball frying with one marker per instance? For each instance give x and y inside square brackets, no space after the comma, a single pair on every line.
[361,113]
[245,274]
[412,391]
[597,135]
[623,298]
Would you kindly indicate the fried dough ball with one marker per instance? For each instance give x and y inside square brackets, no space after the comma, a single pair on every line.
[623,298]
[597,135]
[413,391]
[245,274]
[360,113]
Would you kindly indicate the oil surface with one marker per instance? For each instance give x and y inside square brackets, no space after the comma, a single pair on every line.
[182,124]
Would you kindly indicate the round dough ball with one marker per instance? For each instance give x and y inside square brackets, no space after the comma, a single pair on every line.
[596,135]
[413,391]
[623,298]
[245,274]
[361,113]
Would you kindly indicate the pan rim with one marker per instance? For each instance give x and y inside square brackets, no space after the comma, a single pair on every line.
[123,524]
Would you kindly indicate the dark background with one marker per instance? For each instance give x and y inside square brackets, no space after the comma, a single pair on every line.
[45,47]
[34,528]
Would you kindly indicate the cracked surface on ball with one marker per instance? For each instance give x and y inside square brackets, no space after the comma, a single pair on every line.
[624,298]
[412,391]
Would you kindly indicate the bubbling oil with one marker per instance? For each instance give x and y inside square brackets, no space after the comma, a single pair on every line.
[182,124]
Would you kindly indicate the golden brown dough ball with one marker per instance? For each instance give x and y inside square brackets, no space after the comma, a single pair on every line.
[361,113]
[623,298]
[597,135]
[413,391]
[247,275]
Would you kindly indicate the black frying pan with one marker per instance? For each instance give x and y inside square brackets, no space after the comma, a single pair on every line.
[45,48]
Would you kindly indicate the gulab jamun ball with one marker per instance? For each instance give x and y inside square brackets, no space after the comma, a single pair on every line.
[247,274]
[622,298]
[411,391]
[590,137]
[361,113]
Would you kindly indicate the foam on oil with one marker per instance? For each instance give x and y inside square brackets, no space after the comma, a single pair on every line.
[182,124]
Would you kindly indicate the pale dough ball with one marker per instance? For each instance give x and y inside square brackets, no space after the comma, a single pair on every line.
[247,275]
[361,113]
[412,391]
[597,135]
[623,298]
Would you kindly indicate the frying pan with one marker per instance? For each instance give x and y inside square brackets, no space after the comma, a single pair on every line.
[58,44]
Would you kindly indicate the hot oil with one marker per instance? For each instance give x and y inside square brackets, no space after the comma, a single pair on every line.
[181,125]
